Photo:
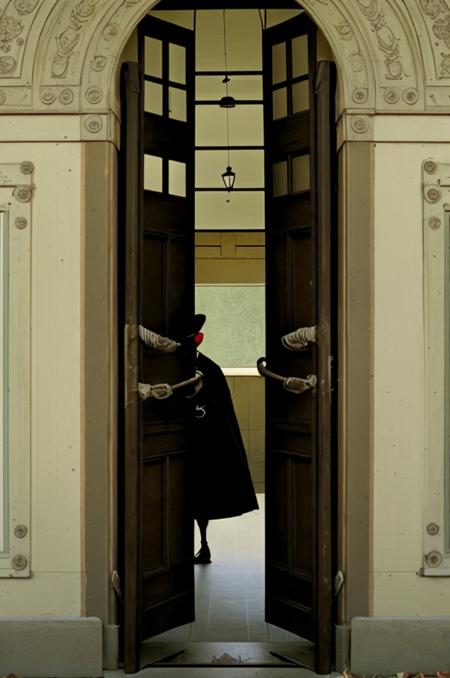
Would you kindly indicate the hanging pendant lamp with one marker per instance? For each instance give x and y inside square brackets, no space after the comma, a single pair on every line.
[227,102]
[228,178]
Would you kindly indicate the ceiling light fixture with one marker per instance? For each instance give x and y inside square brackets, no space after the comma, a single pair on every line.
[227,102]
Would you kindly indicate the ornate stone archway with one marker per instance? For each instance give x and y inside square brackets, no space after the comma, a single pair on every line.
[61,56]
[59,64]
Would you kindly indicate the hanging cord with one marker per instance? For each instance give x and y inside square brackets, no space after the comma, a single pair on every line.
[298,340]
[226,80]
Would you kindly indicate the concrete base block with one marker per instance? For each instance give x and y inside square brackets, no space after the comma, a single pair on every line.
[51,647]
[390,645]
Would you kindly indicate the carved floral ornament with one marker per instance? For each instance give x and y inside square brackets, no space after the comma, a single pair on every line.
[387,39]
[438,15]
[73,61]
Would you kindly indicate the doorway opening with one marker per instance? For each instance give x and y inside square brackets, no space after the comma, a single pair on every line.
[268,229]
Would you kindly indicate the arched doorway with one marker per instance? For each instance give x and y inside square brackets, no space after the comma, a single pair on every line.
[301,222]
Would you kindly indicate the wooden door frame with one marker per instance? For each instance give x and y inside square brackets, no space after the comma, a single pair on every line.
[131,212]
[324,499]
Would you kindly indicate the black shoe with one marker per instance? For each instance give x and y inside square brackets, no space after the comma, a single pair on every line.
[203,557]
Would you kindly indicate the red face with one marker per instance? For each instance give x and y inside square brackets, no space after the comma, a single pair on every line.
[198,338]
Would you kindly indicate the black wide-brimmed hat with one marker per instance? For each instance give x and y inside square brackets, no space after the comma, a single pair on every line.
[199,321]
[194,328]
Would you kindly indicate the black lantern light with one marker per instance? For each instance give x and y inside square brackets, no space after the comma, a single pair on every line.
[228,178]
[227,102]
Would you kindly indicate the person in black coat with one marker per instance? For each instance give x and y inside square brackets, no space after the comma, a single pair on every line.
[222,485]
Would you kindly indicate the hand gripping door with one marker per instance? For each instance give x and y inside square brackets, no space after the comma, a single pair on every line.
[299,133]
[158,192]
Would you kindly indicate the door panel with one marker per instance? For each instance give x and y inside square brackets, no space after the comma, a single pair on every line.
[300,213]
[159,246]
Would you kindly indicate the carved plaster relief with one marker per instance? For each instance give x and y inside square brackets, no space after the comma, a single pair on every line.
[358,81]
[430,19]
[355,127]
[397,55]
[68,62]
[81,13]
[16,21]
[437,13]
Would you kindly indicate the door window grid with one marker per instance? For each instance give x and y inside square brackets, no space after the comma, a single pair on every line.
[290,78]
[165,79]
[215,208]
[162,175]
[291,175]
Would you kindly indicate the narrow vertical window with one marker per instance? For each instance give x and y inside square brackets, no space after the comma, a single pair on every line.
[4,311]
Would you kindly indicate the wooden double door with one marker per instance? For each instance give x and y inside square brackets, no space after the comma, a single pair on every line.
[157,235]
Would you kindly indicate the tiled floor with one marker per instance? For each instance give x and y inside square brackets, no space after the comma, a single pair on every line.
[230,591]
[229,632]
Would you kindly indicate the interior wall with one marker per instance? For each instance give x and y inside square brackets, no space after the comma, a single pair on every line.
[229,257]
[236,259]
[249,404]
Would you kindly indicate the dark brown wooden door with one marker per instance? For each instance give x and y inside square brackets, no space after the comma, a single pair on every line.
[158,191]
[299,130]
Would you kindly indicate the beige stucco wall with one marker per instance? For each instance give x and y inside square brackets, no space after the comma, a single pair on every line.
[398,397]
[382,450]
[55,585]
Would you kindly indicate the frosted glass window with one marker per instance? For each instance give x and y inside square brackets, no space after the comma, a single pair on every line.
[153,57]
[153,98]
[300,96]
[280,178]
[246,126]
[301,179]
[300,56]
[229,211]
[240,87]
[153,173]
[4,295]
[279,63]
[279,103]
[235,323]
[248,165]
[177,104]
[177,178]
[177,63]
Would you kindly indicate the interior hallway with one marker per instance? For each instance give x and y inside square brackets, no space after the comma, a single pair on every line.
[230,627]
[230,591]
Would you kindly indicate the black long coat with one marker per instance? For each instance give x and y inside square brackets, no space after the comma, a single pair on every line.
[222,483]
